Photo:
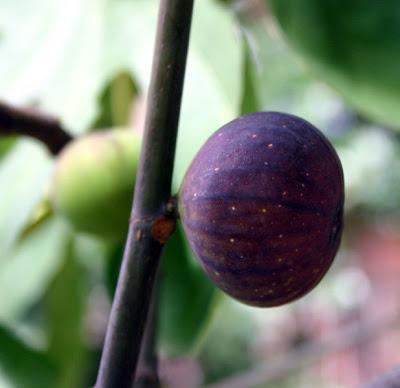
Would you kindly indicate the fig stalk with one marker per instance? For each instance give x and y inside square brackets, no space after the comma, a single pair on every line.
[147,376]
[151,219]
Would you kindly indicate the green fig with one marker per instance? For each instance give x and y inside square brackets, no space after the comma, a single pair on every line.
[94,181]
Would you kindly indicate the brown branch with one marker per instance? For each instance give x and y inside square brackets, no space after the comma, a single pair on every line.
[352,335]
[151,225]
[47,129]
[147,371]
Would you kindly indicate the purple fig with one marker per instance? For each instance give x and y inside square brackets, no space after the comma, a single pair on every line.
[262,207]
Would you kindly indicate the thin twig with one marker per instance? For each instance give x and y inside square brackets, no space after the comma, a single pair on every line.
[147,370]
[45,128]
[352,335]
[151,224]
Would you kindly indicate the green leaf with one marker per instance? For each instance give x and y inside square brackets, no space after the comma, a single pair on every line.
[5,145]
[65,301]
[250,99]
[353,46]
[279,81]
[113,264]
[235,331]
[30,266]
[24,174]
[22,365]
[186,299]
[381,169]
[213,81]
[275,78]
[117,101]
[73,52]
[63,66]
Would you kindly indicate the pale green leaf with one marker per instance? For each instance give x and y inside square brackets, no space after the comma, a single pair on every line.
[24,174]
[187,298]
[23,366]
[30,266]
[73,51]
[65,308]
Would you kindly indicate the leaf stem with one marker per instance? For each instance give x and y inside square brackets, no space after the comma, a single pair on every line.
[152,222]
[45,128]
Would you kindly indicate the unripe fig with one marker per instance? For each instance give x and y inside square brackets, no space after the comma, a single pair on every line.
[94,181]
[262,207]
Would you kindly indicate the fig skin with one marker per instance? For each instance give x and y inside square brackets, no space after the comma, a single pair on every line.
[262,207]
[93,182]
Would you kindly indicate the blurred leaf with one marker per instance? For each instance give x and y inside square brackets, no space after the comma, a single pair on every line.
[225,2]
[234,329]
[63,59]
[41,214]
[26,273]
[280,82]
[92,252]
[72,52]
[65,307]
[213,81]
[250,99]
[24,173]
[76,50]
[116,102]
[353,46]
[5,145]
[24,366]
[113,264]
[381,169]
[186,299]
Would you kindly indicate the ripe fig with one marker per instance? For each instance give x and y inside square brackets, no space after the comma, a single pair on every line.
[94,181]
[262,207]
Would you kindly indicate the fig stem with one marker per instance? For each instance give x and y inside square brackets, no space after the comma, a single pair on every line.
[147,370]
[43,127]
[151,222]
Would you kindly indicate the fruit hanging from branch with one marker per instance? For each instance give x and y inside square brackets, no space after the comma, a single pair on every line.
[94,181]
[262,207]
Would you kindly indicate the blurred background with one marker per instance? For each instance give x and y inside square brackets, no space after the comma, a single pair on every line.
[334,63]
